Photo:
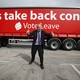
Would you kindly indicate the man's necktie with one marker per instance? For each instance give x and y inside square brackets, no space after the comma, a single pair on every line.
[39,38]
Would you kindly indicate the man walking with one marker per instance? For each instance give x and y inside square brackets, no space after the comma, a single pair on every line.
[38,44]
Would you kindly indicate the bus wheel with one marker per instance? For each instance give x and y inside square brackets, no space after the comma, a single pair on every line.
[78,45]
[68,44]
[4,41]
[0,42]
[54,43]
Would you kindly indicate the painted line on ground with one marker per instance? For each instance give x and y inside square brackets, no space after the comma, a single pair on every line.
[65,64]
[4,61]
[69,64]
[75,69]
[73,66]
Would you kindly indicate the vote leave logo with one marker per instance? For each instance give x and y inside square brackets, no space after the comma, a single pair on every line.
[18,26]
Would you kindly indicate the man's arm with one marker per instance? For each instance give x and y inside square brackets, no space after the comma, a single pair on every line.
[29,33]
[49,34]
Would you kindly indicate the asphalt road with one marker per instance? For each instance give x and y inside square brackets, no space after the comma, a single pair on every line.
[59,65]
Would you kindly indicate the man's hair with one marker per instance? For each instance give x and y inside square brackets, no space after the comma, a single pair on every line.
[40,24]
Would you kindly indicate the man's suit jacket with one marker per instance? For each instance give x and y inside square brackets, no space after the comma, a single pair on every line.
[43,34]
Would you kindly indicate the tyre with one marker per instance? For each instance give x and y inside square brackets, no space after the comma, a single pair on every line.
[0,43]
[54,43]
[4,41]
[78,45]
[68,44]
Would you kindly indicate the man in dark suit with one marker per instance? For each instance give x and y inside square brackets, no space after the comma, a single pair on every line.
[38,44]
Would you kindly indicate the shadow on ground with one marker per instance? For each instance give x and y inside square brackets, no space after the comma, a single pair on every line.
[26,58]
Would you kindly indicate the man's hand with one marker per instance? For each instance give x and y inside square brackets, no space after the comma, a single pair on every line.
[52,34]
[28,32]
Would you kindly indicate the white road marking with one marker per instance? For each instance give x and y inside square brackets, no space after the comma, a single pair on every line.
[69,64]
[75,69]
[78,72]
[65,64]
[4,61]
